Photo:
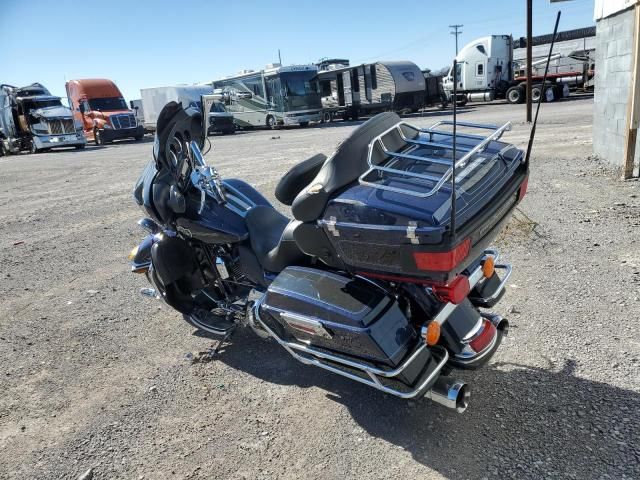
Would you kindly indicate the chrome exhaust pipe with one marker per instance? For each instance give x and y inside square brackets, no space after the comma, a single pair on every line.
[450,393]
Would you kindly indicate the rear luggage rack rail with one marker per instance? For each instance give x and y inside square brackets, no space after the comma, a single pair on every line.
[439,180]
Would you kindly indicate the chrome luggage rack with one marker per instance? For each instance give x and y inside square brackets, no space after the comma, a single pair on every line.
[481,143]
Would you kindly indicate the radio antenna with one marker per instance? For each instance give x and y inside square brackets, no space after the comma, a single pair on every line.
[542,92]
[455,158]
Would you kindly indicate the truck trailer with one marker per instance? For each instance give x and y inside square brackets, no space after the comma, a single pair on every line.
[354,91]
[100,107]
[486,71]
[32,119]
[154,100]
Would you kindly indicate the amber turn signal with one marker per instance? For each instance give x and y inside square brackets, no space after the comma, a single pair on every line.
[133,253]
[489,267]
[432,333]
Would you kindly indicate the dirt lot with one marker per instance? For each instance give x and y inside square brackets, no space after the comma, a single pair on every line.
[96,377]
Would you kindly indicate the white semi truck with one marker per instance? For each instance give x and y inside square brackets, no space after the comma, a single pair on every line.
[487,71]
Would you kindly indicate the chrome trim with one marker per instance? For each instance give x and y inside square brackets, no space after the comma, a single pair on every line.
[474,278]
[503,283]
[139,266]
[372,372]
[439,181]
[149,225]
[450,393]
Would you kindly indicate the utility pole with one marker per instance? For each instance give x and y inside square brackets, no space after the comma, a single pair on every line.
[530,60]
[456,32]
[279,57]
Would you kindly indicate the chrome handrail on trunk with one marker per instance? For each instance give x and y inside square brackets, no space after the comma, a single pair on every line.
[440,179]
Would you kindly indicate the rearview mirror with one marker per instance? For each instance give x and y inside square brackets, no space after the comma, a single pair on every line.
[206,102]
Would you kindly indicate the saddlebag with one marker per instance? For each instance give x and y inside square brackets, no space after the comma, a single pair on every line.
[347,316]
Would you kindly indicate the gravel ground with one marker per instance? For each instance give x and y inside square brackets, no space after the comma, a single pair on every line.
[94,376]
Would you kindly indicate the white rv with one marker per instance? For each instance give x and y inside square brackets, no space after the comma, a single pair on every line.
[154,100]
[273,97]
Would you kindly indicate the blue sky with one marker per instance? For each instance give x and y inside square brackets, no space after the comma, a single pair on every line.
[140,44]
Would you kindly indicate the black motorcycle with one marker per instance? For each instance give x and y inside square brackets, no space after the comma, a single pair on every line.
[384,275]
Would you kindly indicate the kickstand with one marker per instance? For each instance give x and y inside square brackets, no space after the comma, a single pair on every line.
[227,336]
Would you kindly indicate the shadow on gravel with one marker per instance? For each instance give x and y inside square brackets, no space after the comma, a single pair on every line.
[523,422]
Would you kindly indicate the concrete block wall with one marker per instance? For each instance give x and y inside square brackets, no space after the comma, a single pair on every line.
[614,48]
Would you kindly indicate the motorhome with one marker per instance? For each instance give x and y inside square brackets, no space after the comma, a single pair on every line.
[275,96]
[154,100]
[353,91]
[100,106]
[32,119]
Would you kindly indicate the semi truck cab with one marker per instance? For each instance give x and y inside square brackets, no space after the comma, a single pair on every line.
[103,111]
[33,119]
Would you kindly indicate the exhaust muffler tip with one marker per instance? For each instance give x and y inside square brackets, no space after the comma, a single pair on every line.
[450,393]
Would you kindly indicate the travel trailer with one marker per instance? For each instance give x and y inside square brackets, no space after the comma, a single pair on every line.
[353,91]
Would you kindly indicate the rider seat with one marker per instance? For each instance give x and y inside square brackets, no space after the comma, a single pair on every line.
[271,236]
[307,187]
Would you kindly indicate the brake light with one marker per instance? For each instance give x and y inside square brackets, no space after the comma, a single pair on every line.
[484,339]
[523,189]
[442,261]
[455,292]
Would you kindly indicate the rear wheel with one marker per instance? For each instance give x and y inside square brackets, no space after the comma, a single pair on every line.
[304,124]
[515,95]
[33,148]
[80,147]
[326,117]
[138,138]
[271,122]
[536,93]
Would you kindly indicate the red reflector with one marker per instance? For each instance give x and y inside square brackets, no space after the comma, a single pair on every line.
[442,261]
[485,338]
[523,189]
[455,292]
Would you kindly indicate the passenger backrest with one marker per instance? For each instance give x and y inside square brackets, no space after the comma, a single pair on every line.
[348,162]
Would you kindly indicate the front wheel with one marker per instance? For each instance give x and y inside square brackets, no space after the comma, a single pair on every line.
[138,138]
[80,147]
[97,137]
[33,148]
[271,122]
[304,124]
